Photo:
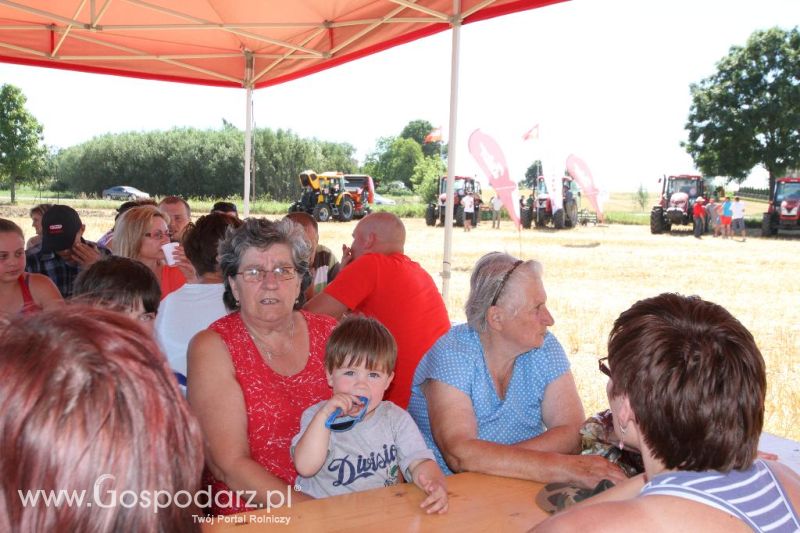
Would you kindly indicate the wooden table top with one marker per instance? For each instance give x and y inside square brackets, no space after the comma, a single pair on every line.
[477,502]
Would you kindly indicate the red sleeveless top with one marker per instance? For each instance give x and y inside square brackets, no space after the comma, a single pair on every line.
[273,402]
[29,305]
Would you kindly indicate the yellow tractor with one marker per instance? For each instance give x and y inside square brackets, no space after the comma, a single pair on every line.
[324,197]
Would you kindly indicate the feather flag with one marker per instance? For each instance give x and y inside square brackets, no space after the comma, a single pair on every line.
[531,134]
[580,172]
[434,136]
[490,158]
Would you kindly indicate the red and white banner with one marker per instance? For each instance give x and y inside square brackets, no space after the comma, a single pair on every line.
[434,136]
[580,172]
[490,158]
[531,134]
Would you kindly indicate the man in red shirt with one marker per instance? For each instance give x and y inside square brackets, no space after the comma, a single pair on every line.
[699,214]
[379,280]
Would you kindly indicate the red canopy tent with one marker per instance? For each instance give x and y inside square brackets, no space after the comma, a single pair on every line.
[242,43]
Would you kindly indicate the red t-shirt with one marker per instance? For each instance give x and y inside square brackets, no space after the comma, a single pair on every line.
[699,210]
[172,279]
[403,297]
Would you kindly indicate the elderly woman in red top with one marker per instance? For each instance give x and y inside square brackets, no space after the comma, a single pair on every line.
[252,373]
[20,292]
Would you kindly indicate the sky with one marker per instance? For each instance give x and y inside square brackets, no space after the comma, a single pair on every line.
[606,80]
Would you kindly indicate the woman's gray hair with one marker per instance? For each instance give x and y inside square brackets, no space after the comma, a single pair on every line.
[486,284]
[262,233]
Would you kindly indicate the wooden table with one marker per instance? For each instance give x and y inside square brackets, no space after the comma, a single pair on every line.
[478,502]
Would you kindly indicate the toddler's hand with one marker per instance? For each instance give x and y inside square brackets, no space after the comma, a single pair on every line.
[350,404]
[436,502]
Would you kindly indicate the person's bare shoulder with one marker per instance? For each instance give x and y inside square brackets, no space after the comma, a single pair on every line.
[611,517]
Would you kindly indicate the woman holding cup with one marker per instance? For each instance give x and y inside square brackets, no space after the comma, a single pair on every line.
[141,233]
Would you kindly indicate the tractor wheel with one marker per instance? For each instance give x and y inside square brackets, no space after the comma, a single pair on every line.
[458,216]
[346,209]
[322,212]
[541,218]
[656,221]
[572,214]
[525,218]
[767,229]
[558,219]
[430,215]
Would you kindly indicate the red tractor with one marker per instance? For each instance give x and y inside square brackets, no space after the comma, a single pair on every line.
[784,209]
[678,195]
[541,211]
[463,186]
[362,189]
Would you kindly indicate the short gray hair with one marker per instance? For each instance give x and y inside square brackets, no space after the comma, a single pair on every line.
[486,283]
[262,233]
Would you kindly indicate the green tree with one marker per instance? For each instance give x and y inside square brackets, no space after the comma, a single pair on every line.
[426,178]
[22,154]
[394,158]
[748,112]
[418,130]
[641,197]
[533,172]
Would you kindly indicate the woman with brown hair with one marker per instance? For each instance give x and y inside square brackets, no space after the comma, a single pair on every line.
[89,407]
[686,387]
[21,292]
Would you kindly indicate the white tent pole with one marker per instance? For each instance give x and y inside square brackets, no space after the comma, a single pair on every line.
[248,133]
[451,152]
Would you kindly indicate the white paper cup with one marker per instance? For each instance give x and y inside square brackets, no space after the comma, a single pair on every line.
[168,249]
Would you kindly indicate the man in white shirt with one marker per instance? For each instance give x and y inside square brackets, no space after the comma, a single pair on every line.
[497,205]
[468,203]
[738,217]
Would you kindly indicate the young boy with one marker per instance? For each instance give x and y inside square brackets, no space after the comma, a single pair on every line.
[370,452]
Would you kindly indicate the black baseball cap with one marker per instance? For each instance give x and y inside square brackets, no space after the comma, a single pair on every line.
[60,224]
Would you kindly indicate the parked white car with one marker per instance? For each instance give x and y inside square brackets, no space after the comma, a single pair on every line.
[381,200]
[124,192]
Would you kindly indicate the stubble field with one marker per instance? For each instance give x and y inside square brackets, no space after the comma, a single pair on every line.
[594,273]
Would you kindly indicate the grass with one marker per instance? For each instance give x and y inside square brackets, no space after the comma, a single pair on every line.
[593,273]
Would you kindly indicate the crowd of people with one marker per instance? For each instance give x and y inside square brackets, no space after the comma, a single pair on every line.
[720,217]
[246,358]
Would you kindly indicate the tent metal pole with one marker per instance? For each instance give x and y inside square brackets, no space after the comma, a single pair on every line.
[248,133]
[451,151]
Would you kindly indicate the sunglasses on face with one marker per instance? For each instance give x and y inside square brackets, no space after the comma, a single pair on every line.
[601,363]
[337,422]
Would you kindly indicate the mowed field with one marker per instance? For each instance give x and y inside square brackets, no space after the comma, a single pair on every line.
[594,273]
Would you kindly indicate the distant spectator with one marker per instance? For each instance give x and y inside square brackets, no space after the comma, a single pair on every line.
[468,205]
[497,205]
[64,252]
[712,216]
[108,236]
[738,218]
[139,235]
[87,406]
[225,207]
[726,216]
[193,307]
[21,293]
[36,213]
[323,263]
[698,217]
[123,285]
[180,214]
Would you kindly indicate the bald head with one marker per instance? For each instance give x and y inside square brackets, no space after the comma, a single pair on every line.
[382,233]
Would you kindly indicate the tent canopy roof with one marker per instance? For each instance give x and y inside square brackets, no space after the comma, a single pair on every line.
[209,41]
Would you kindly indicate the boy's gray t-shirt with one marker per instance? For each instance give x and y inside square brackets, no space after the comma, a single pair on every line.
[368,456]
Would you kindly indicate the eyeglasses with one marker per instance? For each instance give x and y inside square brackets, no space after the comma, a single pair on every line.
[505,279]
[346,423]
[255,275]
[603,366]
[158,235]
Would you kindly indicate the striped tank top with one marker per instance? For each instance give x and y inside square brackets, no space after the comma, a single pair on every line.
[754,495]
